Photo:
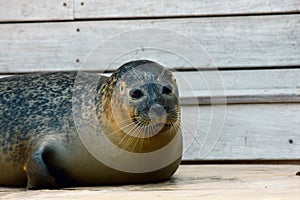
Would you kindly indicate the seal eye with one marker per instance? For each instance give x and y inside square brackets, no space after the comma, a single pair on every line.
[167,89]
[136,93]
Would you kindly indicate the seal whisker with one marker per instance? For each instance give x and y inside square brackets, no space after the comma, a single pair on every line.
[125,121]
[137,131]
[137,76]
[133,133]
[128,133]
[152,128]
[117,131]
[161,76]
[127,140]
[148,132]
[122,127]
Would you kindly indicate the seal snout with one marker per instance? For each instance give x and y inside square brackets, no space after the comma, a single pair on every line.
[158,115]
[157,110]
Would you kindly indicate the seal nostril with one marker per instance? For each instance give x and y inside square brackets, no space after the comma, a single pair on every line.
[157,110]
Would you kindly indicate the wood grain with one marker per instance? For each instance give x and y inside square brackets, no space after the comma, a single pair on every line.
[155,8]
[36,10]
[234,42]
[190,182]
[240,96]
[240,79]
[241,132]
[239,86]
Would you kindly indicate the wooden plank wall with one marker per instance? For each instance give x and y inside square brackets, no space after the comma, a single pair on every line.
[36,10]
[254,114]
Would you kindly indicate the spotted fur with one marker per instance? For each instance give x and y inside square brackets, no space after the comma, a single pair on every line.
[39,144]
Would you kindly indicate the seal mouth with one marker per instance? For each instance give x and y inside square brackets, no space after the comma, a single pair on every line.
[159,125]
[155,125]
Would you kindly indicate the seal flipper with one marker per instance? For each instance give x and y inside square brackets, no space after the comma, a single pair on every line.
[38,176]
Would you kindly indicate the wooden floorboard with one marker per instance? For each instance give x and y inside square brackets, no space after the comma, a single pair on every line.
[190,182]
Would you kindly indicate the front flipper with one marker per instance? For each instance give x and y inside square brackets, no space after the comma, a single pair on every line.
[38,176]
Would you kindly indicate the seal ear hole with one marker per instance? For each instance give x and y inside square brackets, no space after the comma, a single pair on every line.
[167,89]
[136,93]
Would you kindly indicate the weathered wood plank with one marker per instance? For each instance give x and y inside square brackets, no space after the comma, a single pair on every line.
[241,79]
[248,131]
[257,41]
[155,8]
[241,86]
[190,182]
[36,10]
[239,96]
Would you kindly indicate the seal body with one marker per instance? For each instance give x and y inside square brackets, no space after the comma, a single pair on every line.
[49,120]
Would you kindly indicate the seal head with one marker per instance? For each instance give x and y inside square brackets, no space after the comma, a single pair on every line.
[142,104]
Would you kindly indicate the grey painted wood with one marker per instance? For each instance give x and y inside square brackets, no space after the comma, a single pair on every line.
[156,8]
[43,10]
[36,10]
[257,41]
[240,96]
[241,79]
[250,131]
[241,86]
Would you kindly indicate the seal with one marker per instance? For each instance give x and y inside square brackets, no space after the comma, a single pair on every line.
[64,129]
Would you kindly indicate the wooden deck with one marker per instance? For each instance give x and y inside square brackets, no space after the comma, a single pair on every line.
[190,182]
